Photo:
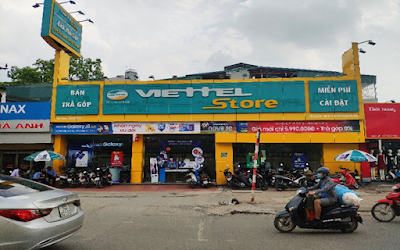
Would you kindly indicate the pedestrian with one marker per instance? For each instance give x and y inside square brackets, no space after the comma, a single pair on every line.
[16,172]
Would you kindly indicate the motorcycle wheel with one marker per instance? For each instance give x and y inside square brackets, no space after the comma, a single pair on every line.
[193,184]
[61,184]
[279,187]
[72,185]
[353,226]
[264,186]
[285,224]
[383,212]
[87,184]
[99,184]
[356,186]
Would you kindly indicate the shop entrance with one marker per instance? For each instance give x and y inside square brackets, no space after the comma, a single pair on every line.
[174,154]
[274,154]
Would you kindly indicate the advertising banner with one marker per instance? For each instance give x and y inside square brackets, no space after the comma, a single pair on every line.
[25,111]
[77,100]
[203,98]
[382,120]
[155,127]
[218,127]
[153,170]
[301,127]
[117,158]
[81,128]
[299,160]
[333,96]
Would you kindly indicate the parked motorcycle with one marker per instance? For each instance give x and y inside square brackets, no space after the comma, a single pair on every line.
[386,209]
[294,179]
[336,217]
[236,180]
[103,176]
[261,179]
[346,179]
[191,178]
[393,175]
[72,178]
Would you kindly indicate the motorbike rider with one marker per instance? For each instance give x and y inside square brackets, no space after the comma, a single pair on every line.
[326,188]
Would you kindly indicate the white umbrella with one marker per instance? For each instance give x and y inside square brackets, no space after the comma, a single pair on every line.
[355,156]
[45,155]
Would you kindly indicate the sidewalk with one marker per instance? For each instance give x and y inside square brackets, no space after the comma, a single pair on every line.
[217,200]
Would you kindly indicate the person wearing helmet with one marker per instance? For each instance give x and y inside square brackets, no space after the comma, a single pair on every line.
[326,188]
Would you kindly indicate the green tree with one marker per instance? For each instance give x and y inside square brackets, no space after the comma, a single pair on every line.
[85,68]
[24,75]
[43,71]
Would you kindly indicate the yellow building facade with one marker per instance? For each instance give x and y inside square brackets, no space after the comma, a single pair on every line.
[325,111]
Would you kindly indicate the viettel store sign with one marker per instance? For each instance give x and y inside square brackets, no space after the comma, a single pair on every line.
[257,97]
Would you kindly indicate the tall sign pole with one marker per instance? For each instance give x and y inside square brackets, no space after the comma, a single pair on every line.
[256,149]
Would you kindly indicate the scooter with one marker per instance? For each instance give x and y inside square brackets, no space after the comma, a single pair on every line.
[386,209]
[236,180]
[393,175]
[294,179]
[346,179]
[334,217]
[191,179]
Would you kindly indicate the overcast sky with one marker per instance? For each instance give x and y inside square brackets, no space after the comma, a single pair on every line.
[178,37]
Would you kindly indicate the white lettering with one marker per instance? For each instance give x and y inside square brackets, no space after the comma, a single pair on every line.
[205,92]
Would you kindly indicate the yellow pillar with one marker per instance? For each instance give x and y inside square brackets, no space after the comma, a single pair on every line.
[137,160]
[330,150]
[61,73]
[60,146]
[223,160]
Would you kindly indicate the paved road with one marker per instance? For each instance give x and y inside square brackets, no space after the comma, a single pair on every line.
[181,219]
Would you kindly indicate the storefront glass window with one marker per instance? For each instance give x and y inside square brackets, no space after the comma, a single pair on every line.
[274,154]
[93,151]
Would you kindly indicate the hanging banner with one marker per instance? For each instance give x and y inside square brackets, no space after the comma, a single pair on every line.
[81,128]
[81,159]
[117,158]
[382,120]
[301,127]
[155,127]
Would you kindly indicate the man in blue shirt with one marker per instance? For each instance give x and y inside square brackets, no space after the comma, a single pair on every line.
[326,188]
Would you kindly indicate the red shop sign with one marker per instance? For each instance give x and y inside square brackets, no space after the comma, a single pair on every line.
[304,127]
[382,120]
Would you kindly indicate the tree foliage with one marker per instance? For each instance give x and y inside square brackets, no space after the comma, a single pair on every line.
[43,71]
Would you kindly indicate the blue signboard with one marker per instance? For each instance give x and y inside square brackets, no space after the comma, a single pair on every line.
[60,29]
[205,98]
[299,160]
[333,96]
[81,128]
[25,111]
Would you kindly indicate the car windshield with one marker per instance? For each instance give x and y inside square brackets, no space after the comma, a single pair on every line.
[12,186]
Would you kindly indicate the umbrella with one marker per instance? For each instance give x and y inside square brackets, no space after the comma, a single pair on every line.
[355,156]
[44,155]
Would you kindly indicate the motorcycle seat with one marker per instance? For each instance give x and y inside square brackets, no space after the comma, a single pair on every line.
[326,209]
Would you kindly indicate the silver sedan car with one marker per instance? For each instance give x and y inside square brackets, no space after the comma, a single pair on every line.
[33,215]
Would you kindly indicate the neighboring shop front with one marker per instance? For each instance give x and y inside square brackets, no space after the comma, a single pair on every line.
[382,133]
[24,129]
